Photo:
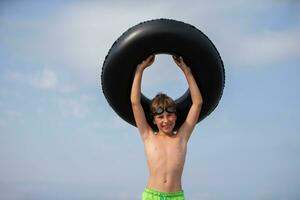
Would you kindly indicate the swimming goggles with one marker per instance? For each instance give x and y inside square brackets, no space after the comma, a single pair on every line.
[160,110]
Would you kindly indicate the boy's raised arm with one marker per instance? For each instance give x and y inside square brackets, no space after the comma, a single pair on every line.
[135,97]
[197,101]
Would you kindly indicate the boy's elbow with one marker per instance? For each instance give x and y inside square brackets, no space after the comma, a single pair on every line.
[198,104]
[135,102]
[200,101]
[133,99]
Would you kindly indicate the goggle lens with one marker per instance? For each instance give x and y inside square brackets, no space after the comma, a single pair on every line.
[160,110]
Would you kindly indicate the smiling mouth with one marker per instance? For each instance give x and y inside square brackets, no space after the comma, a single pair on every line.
[167,126]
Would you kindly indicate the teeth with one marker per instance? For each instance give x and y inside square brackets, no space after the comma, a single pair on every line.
[166,126]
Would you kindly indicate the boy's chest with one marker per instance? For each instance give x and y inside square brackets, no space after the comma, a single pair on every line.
[156,149]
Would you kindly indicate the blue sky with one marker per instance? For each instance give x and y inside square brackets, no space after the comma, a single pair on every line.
[59,139]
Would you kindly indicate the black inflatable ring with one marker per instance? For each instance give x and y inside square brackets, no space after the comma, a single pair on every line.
[162,36]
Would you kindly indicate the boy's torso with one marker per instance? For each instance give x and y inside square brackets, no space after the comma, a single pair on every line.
[165,157]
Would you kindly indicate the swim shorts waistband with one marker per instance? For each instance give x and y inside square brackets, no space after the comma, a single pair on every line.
[165,194]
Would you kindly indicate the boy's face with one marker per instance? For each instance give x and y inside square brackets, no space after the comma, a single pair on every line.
[165,122]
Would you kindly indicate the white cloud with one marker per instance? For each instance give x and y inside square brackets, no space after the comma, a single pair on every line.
[89,29]
[264,49]
[79,36]
[76,37]
[75,107]
[45,79]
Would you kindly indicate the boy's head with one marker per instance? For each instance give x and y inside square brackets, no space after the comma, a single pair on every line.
[163,111]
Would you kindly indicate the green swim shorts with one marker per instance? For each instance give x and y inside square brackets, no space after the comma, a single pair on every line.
[150,194]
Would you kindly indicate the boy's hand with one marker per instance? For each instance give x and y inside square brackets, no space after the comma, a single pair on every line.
[146,63]
[181,64]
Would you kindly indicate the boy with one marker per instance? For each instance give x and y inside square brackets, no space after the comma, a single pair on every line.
[165,150]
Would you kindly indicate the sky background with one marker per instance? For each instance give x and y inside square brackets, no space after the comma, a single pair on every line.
[59,138]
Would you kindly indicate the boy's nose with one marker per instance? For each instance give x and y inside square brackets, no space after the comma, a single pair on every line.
[165,119]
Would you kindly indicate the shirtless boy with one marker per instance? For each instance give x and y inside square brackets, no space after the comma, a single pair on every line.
[165,150]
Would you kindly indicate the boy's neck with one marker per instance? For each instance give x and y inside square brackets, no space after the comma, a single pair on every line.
[165,135]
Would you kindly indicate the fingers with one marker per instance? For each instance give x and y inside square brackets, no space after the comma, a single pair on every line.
[151,58]
[148,61]
[178,60]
